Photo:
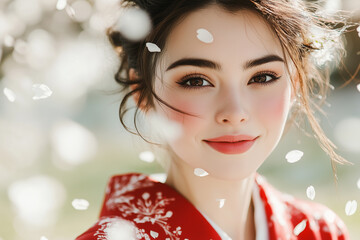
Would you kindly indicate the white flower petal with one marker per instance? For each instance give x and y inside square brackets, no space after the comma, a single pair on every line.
[221,202]
[61,4]
[41,91]
[70,11]
[200,172]
[300,227]
[350,207]
[358,183]
[204,35]
[133,23]
[294,156]
[147,156]
[9,94]
[310,192]
[152,47]
[43,238]
[80,204]
[358,87]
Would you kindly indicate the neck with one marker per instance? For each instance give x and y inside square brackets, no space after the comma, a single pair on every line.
[236,217]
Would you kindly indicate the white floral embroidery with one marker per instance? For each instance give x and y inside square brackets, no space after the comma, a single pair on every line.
[144,209]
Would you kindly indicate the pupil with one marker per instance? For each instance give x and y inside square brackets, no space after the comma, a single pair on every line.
[196,82]
[261,78]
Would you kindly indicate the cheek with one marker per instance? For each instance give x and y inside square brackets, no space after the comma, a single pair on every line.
[273,109]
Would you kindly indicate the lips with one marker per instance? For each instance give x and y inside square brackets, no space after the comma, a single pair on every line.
[231,144]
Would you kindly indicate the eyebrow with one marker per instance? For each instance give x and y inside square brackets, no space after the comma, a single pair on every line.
[199,62]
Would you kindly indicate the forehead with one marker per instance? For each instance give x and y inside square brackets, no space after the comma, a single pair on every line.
[238,36]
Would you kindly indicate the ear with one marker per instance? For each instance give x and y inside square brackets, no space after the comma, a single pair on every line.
[133,76]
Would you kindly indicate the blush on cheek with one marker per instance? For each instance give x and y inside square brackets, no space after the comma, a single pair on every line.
[274,109]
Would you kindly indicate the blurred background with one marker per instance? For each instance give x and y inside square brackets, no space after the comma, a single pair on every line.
[61,139]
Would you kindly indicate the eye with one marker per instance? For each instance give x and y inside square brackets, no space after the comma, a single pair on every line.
[194,82]
[264,78]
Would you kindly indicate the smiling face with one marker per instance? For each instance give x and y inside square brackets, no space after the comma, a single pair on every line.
[235,85]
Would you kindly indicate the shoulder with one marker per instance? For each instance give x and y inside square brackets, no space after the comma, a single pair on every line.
[120,194]
[139,207]
[303,218]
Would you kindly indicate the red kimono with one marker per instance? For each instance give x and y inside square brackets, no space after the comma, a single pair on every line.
[138,207]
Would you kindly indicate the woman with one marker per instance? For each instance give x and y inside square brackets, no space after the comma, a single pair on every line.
[228,73]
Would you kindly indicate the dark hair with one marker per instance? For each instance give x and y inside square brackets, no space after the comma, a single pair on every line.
[291,21]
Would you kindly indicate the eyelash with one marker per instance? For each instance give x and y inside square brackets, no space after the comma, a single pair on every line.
[189,77]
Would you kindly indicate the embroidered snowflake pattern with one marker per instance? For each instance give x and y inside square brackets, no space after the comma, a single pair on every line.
[144,209]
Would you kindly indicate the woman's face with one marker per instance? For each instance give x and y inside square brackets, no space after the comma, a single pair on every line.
[237,85]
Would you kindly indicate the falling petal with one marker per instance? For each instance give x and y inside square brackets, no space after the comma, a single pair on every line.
[37,200]
[162,128]
[204,35]
[300,227]
[152,47]
[72,143]
[80,204]
[147,156]
[83,10]
[9,41]
[347,133]
[43,238]
[10,95]
[200,172]
[160,177]
[154,234]
[221,202]
[358,87]
[41,91]
[350,207]
[294,156]
[310,192]
[61,4]
[120,230]
[70,11]
[133,23]
[358,29]
[358,183]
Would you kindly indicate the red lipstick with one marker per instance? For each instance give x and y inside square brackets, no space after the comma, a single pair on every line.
[231,144]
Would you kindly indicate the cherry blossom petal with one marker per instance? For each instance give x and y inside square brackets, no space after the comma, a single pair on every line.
[61,4]
[133,23]
[147,156]
[204,35]
[80,204]
[200,172]
[358,87]
[294,156]
[9,94]
[221,202]
[42,238]
[310,192]
[41,91]
[152,47]
[358,183]
[350,207]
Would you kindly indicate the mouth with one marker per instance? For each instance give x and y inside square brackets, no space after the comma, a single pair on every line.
[232,144]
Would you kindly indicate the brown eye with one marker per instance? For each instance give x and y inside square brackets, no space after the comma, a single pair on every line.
[197,82]
[263,78]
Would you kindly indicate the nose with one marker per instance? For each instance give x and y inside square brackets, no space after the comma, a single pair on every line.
[232,110]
